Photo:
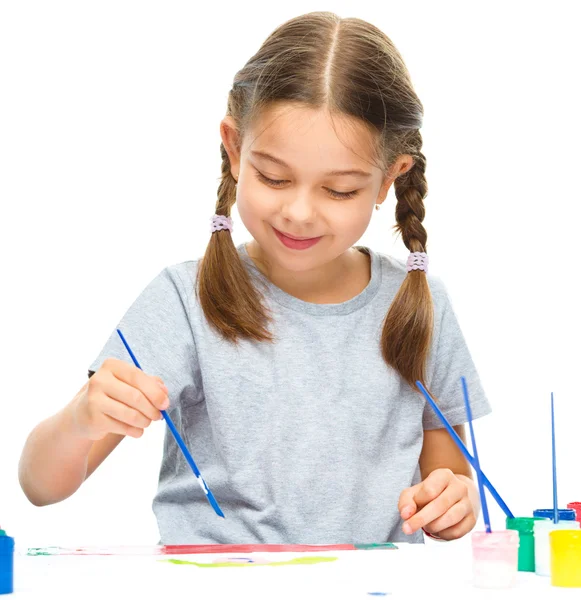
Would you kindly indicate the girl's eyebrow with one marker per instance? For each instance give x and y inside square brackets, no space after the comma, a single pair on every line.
[281,162]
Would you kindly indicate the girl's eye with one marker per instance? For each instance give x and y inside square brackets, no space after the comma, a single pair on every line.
[277,183]
[272,182]
[343,195]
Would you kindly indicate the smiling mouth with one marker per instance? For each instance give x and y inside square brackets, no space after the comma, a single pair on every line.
[292,237]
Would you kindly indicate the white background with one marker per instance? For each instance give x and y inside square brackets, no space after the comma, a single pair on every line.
[109,166]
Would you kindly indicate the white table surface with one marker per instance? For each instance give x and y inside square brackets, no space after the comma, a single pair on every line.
[433,570]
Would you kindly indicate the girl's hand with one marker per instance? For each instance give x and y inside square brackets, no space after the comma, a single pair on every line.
[119,398]
[443,504]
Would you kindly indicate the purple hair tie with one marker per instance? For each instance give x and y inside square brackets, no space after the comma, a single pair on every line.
[417,261]
[221,222]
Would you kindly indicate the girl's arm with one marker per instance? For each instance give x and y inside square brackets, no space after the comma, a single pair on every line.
[55,461]
[63,450]
[439,451]
[446,502]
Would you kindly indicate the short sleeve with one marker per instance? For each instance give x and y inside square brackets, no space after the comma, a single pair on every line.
[158,331]
[451,361]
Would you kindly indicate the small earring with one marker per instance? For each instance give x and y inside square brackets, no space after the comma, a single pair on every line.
[377,207]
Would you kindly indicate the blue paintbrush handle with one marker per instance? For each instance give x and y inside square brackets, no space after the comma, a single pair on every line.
[555,502]
[179,441]
[476,459]
[464,450]
[192,464]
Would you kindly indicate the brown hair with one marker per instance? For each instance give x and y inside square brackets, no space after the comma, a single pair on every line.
[367,80]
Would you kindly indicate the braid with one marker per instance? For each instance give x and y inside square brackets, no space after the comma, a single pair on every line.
[227,187]
[408,325]
[410,191]
[230,301]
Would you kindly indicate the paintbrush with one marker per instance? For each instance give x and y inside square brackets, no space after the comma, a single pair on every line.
[476,459]
[463,449]
[180,442]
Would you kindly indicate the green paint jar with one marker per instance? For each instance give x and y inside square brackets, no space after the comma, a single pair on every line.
[526,550]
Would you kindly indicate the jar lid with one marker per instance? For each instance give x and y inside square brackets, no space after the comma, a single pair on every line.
[522,524]
[565,514]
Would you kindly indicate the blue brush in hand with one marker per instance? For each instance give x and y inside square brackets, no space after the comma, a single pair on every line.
[485,515]
[463,448]
[180,442]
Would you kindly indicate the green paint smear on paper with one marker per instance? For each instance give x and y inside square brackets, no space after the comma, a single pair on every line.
[304,560]
[51,551]
[382,546]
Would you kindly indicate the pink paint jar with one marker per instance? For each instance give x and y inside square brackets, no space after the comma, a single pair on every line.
[576,506]
[495,558]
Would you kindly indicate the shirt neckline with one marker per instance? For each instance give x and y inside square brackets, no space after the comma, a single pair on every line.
[341,308]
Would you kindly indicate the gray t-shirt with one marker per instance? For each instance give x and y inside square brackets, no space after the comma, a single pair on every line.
[308,440]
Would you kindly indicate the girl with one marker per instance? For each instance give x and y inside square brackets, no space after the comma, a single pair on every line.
[290,361]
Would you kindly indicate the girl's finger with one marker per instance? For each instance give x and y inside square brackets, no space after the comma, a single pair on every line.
[123,413]
[460,529]
[130,396]
[435,509]
[406,505]
[136,378]
[432,486]
[454,515]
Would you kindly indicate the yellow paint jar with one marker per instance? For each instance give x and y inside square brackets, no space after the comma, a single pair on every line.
[565,557]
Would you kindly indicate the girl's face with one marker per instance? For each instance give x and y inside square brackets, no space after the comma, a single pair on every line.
[298,176]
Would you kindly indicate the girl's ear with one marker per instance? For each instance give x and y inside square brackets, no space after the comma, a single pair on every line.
[403,164]
[231,141]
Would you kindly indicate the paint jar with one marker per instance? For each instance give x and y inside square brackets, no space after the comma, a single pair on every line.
[526,551]
[565,514]
[6,563]
[542,546]
[576,506]
[494,558]
[565,557]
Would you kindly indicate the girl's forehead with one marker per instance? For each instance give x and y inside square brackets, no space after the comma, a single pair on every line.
[297,130]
